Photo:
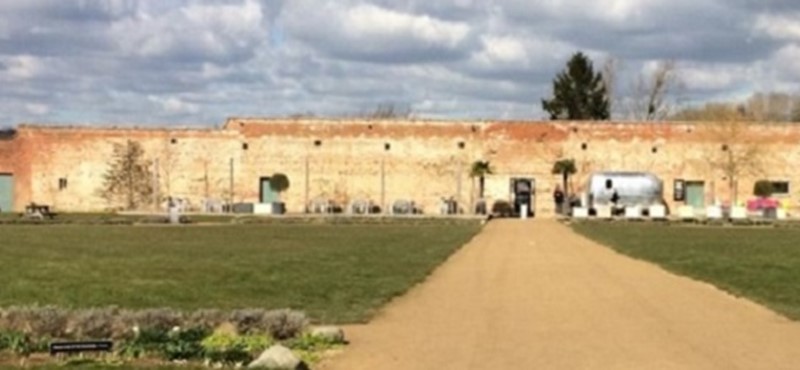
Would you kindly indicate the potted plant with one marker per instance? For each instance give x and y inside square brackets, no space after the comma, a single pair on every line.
[279,183]
[480,169]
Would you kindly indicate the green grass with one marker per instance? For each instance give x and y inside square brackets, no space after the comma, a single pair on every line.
[762,264]
[336,273]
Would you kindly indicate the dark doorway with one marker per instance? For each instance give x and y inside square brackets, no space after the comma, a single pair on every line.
[523,192]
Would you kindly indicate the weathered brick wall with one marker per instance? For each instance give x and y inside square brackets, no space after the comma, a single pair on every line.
[345,160]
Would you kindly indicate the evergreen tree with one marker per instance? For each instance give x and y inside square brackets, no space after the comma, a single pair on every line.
[578,93]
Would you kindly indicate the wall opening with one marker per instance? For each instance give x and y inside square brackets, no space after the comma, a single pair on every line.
[461,145]
[245,146]
[584,146]
[6,192]
[317,142]
[387,147]
[62,183]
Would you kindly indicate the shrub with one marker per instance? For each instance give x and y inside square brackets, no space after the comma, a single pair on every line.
[185,344]
[308,347]
[95,323]
[17,342]
[37,321]
[502,208]
[208,319]
[279,324]
[159,319]
[763,188]
[225,348]
[285,324]
[248,321]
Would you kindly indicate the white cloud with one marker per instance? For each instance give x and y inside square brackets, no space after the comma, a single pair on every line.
[37,109]
[174,105]
[366,21]
[779,26]
[371,32]
[710,77]
[213,32]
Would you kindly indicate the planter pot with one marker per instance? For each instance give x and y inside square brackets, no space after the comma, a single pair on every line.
[278,208]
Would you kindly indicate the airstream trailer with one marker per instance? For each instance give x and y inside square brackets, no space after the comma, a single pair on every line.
[633,189]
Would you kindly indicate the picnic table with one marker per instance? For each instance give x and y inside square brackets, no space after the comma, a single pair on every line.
[39,211]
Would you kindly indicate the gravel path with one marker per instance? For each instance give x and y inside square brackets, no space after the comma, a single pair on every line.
[534,295]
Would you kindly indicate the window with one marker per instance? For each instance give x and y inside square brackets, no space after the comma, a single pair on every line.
[780,187]
[62,183]
[387,146]
[317,142]
[461,145]
[245,146]
[609,184]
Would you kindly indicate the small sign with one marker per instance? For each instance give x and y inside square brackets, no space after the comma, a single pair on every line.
[76,347]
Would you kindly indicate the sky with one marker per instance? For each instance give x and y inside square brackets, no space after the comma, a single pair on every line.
[198,62]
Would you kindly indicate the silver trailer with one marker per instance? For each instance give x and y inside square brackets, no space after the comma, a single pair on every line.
[633,189]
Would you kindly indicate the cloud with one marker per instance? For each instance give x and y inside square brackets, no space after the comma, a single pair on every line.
[780,26]
[174,105]
[200,61]
[37,109]
[219,33]
[371,33]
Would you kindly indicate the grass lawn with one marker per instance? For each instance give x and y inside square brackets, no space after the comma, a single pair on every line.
[762,264]
[336,273]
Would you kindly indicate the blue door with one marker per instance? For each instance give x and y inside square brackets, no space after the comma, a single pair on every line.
[695,194]
[6,193]
[267,194]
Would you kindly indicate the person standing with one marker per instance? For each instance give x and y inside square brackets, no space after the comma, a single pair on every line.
[558,198]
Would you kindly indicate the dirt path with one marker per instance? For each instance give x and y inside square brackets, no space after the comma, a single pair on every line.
[533,295]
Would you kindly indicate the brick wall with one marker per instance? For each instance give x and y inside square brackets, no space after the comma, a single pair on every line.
[345,160]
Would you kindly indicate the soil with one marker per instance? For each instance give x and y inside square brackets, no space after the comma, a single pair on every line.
[530,294]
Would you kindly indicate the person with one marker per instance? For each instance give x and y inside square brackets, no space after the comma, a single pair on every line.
[558,197]
[615,197]
[615,208]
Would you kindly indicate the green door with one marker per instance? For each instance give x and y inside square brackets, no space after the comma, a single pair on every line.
[695,194]
[6,193]
[267,194]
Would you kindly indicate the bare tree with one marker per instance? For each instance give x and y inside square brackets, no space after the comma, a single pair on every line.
[389,111]
[611,66]
[128,178]
[770,107]
[735,149]
[650,100]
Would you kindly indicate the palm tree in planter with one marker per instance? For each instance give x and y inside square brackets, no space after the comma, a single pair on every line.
[565,168]
[480,169]
[278,183]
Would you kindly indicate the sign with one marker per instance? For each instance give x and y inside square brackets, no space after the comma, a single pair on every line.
[75,347]
[679,190]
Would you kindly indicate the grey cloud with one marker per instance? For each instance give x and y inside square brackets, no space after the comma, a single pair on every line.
[200,61]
